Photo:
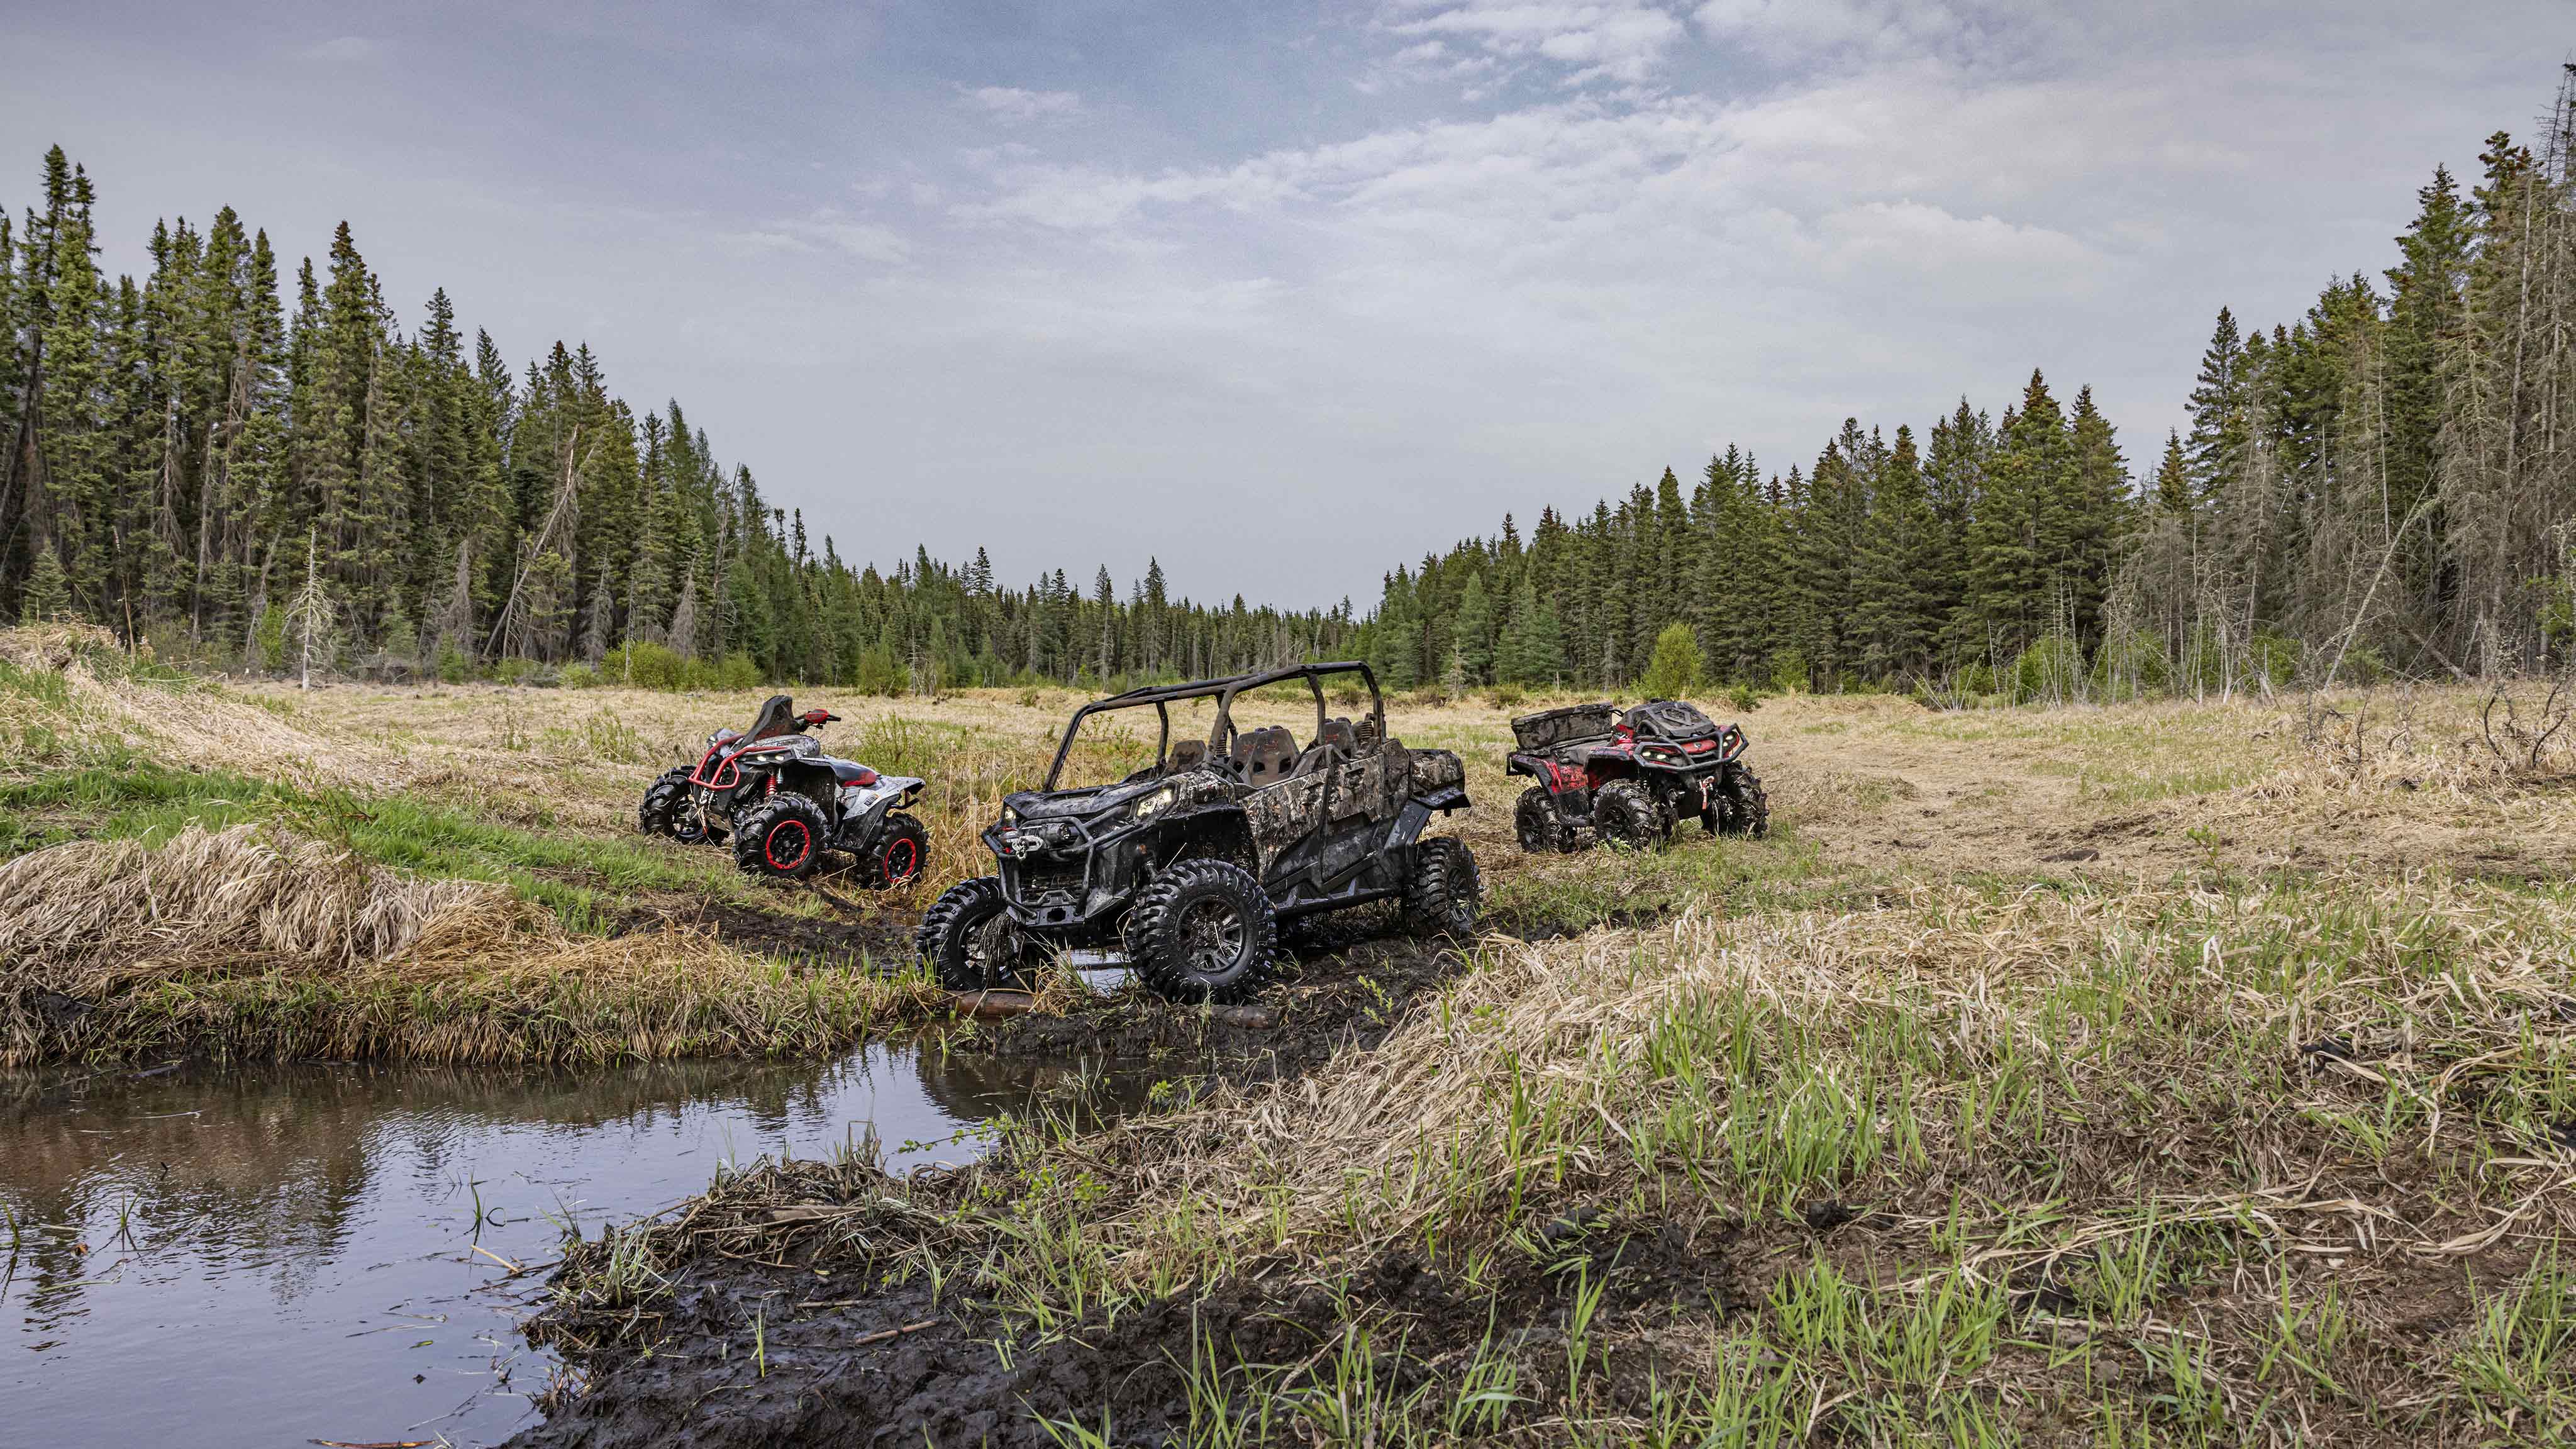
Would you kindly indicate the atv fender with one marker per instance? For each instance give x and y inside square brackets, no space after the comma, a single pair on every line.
[863,807]
[1570,785]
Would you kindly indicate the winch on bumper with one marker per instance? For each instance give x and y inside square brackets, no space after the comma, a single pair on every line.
[1067,873]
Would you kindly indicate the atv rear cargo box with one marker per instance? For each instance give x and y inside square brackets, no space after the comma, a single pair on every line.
[1551,728]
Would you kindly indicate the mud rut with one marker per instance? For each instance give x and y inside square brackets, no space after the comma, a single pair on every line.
[846,1358]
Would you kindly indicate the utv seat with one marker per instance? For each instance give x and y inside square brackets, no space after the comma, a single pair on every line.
[1187,755]
[1263,756]
[1338,742]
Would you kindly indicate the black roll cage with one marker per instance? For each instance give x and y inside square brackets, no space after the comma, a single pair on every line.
[1219,742]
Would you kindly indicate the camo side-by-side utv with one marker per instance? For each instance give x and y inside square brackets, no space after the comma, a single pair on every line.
[1185,868]
[1627,776]
[784,802]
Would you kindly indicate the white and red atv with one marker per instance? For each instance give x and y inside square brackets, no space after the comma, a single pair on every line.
[783,802]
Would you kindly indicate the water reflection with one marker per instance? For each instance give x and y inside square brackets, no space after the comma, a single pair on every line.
[269,1255]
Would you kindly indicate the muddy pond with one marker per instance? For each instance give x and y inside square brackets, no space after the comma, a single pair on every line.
[276,1255]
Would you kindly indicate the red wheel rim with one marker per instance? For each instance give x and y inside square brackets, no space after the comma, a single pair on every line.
[901,860]
[783,859]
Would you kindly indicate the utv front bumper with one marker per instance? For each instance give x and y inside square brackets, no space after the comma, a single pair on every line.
[1061,877]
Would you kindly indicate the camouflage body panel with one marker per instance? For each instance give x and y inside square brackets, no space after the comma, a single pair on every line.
[1373,786]
[1437,770]
[1285,813]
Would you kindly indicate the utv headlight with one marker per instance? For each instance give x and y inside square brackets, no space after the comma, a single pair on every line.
[1156,803]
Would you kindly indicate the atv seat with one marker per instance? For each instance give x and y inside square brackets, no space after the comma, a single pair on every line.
[777,717]
[850,772]
[1263,756]
[1187,755]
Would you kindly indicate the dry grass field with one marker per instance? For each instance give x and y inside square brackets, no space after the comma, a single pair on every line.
[2163,1073]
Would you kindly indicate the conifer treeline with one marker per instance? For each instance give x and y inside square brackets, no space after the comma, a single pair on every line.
[190,462]
[2386,483]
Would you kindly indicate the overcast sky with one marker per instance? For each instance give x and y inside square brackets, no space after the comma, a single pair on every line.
[1288,292]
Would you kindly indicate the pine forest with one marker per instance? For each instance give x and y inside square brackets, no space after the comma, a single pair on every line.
[267,472]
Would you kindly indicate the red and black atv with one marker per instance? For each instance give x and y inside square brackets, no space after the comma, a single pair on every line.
[1627,776]
[784,802]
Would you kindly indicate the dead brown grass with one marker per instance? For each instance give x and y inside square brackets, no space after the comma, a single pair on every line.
[248,945]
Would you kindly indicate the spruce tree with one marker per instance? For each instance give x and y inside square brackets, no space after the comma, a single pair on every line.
[2217,446]
[1472,633]
[1901,557]
[2173,478]
[1674,669]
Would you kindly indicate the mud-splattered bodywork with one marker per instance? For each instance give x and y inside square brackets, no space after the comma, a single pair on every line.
[1336,827]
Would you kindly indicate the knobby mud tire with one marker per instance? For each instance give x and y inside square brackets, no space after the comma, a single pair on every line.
[661,812]
[1446,893]
[1534,822]
[1626,813]
[1176,938]
[780,838]
[897,855]
[1743,809]
[948,943]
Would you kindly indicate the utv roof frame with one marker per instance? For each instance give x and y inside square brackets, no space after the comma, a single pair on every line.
[1223,690]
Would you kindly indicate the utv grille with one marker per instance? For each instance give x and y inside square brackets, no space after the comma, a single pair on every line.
[1051,883]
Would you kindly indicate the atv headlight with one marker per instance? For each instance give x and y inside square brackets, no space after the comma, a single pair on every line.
[1010,817]
[1156,803]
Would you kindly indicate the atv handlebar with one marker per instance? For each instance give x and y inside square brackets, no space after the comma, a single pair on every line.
[819,717]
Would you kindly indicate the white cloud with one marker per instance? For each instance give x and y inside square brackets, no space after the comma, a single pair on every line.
[1621,40]
[821,233]
[344,50]
[1009,103]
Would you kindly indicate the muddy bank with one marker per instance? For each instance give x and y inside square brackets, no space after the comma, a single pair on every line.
[858,928]
[1343,984]
[790,1349]
[825,1303]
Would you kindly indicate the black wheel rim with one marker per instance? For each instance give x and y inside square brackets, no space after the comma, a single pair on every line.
[787,845]
[1210,936]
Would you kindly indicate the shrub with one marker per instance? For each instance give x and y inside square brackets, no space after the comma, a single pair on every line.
[515,670]
[2365,666]
[2131,667]
[1673,670]
[1788,672]
[1743,697]
[2051,669]
[269,635]
[645,665]
[580,676]
[2275,659]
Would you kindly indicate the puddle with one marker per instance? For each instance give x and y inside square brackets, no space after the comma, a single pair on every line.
[275,1255]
